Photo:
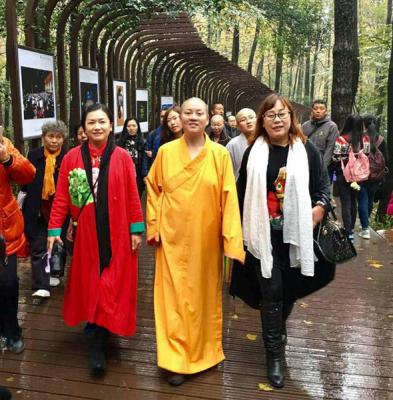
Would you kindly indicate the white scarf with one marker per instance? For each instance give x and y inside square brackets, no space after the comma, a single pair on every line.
[297,209]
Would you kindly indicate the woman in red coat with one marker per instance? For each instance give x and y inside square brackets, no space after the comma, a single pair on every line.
[13,168]
[97,185]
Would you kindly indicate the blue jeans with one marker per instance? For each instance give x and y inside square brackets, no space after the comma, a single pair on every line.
[366,201]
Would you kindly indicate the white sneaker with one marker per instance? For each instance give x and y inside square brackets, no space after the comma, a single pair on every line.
[41,293]
[53,281]
[365,234]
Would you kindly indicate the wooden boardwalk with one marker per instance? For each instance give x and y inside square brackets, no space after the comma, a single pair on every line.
[340,345]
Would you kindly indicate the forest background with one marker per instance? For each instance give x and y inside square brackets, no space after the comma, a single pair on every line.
[305,49]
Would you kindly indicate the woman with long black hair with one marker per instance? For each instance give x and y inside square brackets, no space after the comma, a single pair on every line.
[352,136]
[131,140]
[377,156]
[97,186]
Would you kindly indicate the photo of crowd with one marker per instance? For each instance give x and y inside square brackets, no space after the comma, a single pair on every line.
[38,98]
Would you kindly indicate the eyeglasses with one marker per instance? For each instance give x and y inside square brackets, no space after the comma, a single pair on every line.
[272,116]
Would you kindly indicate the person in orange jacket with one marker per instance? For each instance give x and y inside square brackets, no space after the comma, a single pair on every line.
[13,168]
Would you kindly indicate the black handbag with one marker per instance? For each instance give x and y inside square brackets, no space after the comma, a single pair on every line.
[331,239]
[58,260]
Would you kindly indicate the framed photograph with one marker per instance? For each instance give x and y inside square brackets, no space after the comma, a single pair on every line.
[37,87]
[142,97]
[166,102]
[119,105]
[88,87]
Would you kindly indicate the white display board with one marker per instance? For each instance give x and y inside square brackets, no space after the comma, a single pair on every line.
[88,87]
[142,98]
[166,102]
[37,90]
[119,105]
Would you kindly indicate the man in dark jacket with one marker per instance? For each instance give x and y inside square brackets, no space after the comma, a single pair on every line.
[38,202]
[322,131]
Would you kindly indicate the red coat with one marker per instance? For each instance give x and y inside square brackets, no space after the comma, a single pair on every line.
[108,300]
[21,171]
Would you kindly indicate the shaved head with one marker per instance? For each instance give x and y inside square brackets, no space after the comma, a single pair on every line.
[217,119]
[244,112]
[194,99]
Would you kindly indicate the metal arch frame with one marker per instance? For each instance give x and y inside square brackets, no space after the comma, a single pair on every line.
[168,50]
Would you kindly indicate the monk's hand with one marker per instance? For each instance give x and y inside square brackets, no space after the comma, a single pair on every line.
[318,212]
[4,155]
[51,241]
[136,240]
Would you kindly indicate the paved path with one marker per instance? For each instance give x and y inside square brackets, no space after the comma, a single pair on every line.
[340,345]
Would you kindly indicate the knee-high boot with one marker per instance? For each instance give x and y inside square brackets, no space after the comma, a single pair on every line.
[97,349]
[271,315]
[286,311]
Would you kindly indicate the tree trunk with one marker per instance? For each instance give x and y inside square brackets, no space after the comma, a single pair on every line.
[345,59]
[236,44]
[279,56]
[259,73]
[270,75]
[314,72]
[307,99]
[380,87]
[299,85]
[290,79]
[209,31]
[296,79]
[253,47]
[329,63]
[390,108]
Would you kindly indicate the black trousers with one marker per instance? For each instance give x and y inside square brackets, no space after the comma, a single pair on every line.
[9,293]
[38,250]
[348,198]
[280,287]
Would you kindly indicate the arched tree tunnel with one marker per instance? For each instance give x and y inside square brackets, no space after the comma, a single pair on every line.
[159,52]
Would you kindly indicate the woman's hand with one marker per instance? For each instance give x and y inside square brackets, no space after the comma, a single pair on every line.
[51,241]
[149,153]
[136,240]
[318,212]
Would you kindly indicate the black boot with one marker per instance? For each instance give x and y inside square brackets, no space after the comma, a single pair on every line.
[97,347]
[271,315]
[286,311]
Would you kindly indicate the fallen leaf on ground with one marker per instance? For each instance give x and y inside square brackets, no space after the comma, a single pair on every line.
[265,387]
[376,265]
[307,322]
[390,316]
[235,316]
[370,279]
[303,305]
[10,379]
[250,336]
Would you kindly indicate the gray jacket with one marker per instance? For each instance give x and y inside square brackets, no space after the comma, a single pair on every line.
[323,135]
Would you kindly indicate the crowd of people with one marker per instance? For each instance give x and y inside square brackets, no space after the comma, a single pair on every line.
[251,187]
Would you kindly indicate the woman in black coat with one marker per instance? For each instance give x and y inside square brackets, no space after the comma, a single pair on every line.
[278,235]
[131,139]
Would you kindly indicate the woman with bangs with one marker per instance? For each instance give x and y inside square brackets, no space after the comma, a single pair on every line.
[278,235]
[171,129]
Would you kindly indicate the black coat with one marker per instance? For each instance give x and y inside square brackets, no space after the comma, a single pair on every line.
[32,202]
[244,282]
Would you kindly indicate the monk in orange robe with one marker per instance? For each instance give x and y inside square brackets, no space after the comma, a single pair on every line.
[193,219]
